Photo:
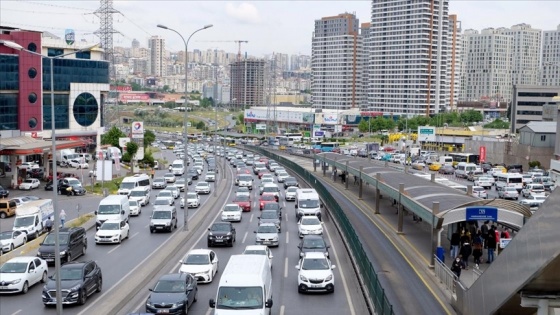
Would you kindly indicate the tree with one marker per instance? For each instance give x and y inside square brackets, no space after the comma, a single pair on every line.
[363,126]
[132,149]
[112,136]
[136,86]
[241,118]
[200,125]
[149,138]
[165,88]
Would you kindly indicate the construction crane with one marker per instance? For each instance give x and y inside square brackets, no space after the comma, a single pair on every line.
[238,42]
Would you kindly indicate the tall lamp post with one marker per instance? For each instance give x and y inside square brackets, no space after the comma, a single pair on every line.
[16,46]
[185,122]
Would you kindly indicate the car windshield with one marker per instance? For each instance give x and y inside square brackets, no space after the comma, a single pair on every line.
[14,267]
[231,208]
[133,203]
[220,227]
[242,198]
[245,178]
[240,298]
[478,189]
[271,206]
[315,264]
[5,235]
[50,240]
[310,221]
[254,252]
[70,274]
[290,179]
[159,180]
[29,181]
[540,197]
[74,182]
[510,189]
[109,209]
[267,229]
[270,189]
[291,189]
[168,175]
[164,194]
[308,204]
[196,259]
[137,193]
[191,195]
[161,202]
[180,181]
[24,221]
[313,243]
[242,189]
[269,215]
[201,185]
[170,286]
[127,185]
[161,215]
[111,226]
[268,198]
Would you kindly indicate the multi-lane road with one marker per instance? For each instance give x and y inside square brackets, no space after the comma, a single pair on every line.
[120,263]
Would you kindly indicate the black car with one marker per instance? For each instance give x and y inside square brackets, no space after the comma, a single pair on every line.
[78,280]
[70,186]
[290,181]
[3,192]
[273,206]
[221,233]
[313,243]
[72,242]
[37,173]
[192,173]
[174,293]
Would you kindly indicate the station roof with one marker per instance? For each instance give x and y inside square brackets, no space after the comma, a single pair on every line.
[24,145]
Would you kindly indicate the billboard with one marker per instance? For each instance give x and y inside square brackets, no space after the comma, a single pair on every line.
[260,126]
[426,133]
[133,97]
[256,114]
[326,118]
[69,36]
[138,127]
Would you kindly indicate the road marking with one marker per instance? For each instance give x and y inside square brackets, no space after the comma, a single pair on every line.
[112,250]
[284,203]
[209,311]
[286,216]
[282,310]
[251,218]
[286,267]
[16,312]
[145,226]
[134,235]
[287,237]
[244,238]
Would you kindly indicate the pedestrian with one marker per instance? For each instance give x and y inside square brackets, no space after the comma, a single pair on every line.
[62,217]
[48,224]
[477,248]
[334,173]
[505,234]
[455,242]
[484,230]
[491,244]
[456,266]
[466,251]
[153,173]
[356,180]
[343,176]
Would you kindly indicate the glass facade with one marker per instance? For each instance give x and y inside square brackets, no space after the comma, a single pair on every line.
[53,52]
[68,71]
[9,72]
[62,120]
[85,109]
[8,111]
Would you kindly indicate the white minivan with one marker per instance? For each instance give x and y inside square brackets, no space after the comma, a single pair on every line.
[464,168]
[112,207]
[178,168]
[131,182]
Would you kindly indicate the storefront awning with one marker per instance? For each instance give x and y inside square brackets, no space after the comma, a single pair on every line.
[24,145]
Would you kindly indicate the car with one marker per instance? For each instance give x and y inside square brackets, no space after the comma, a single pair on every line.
[262,172]
[315,273]
[221,233]
[173,293]
[193,200]
[78,280]
[140,194]
[210,177]
[160,202]
[135,207]
[163,218]
[27,166]
[264,182]
[474,175]
[290,182]
[180,183]
[290,193]
[29,184]
[21,200]
[533,201]
[480,192]
[70,186]
[18,274]
[532,189]
[243,191]
[72,244]
[37,173]
[266,198]
[271,216]
[447,169]
[112,231]
[309,225]
[271,189]
[199,169]
[267,175]
[3,192]
[435,166]
[232,212]
[267,234]
[485,181]
[259,250]
[508,193]
[418,165]
[174,191]
[244,202]
[281,177]
[202,188]
[169,177]
[313,243]
[202,264]
[273,206]
[78,164]
[159,183]
[192,173]
[10,240]
[166,194]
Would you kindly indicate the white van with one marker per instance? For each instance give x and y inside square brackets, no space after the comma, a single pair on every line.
[32,216]
[178,167]
[243,290]
[131,182]
[463,168]
[445,160]
[307,203]
[140,194]
[112,207]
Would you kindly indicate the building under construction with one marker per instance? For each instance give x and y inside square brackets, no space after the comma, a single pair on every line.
[247,83]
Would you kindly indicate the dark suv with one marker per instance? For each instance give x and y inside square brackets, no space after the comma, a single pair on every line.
[73,244]
[4,193]
[78,280]
[70,186]
[313,243]
[221,233]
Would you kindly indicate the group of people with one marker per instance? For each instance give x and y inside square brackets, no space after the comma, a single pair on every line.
[473,241]
[49,223]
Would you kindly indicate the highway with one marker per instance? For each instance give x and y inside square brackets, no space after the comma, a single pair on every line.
[119,263]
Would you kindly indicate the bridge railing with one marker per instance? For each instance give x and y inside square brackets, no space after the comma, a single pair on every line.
[445,275]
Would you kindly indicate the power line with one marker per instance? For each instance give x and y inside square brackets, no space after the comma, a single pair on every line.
[139,27]
[55,5]
[39,12]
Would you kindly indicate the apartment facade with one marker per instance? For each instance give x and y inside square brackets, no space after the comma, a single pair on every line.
[528,102]
[455,50]
[550,75]
[158,62]
[336,63]
[525,54]
[408,57]
[247,83]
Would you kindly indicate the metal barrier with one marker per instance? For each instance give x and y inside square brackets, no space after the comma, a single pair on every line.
[370,280]
[445,275]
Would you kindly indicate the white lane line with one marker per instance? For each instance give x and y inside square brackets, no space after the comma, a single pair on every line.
[16,312]
[284,203]
[133,235]
[287,237]
[112,250]
[286,216]
[282,310]
[145,226]
[251,218]
[286,267]
[209,311]
[344,282]
[244,238]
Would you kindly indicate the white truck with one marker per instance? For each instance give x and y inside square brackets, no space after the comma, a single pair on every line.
[65,155]
[31,217]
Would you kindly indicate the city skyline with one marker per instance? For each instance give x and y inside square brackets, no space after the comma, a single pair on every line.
[268,26]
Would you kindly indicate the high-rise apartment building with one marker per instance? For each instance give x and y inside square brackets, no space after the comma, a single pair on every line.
[247,83]
[454,70]
[525,54]
[158,62]
[336,63]
[487,65]
[408,57]
[551,57]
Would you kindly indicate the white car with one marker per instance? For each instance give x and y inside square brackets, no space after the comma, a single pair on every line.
[20,273]
[10,240]
[480,192]
[169,177]
[21,200]
[259,250]
[485,181]
[210,177]
[282,176]
[315,273]
[78,164]
[161,202]
[279,170]
[533,201]
[199,169]
[112,231]
[201,264]
[231,212]
[271,189]
[202,188]
[29,184]
[508,193]
[141,195]
[193,200]
[310,225]
[174,191]
[180,184]
[267,234]
[243,191]
[166,194]
[134,207]
[290,193]
[26,165]
[267,175]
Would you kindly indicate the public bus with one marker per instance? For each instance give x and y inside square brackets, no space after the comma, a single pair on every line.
[330,147]
[509,180]
[284,141]
[230,142]
[293,138]
[464,157]
[315,144]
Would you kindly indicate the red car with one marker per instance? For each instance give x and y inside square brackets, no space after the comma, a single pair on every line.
[267,198]
[244,202]
[244,170]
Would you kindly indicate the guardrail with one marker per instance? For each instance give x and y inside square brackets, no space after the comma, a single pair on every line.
[445,275]
[370,280]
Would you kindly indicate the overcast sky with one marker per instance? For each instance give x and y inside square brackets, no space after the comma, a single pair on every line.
[269,26]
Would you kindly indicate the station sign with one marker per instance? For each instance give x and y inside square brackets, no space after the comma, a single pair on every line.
[482,213]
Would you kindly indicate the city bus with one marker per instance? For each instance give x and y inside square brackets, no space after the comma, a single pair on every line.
[315,144]
[293,138]
[230,142]
[509,180]
[330,147]
[464,157]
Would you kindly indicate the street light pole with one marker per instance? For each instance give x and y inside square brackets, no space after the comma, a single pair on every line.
[185,117]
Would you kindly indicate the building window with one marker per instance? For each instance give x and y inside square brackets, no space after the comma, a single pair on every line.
[85,109]
[32,73]
[32,47]
[83,55]
[53,52]
[9,111]
[543,137]
[9,72]
[32,122]
[62,120]
[68,71]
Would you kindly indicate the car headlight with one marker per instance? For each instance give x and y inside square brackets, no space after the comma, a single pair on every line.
[149,303]
[178,304]
[116,235]
[75,288]
[38,253]
[302,278]
[16,281]
[275,238]
[228,234]
[329,278]
[62,253]
[211,234]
